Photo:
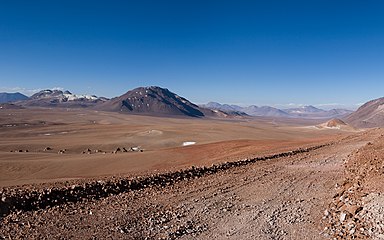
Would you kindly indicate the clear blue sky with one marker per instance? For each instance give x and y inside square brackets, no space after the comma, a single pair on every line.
[244,52]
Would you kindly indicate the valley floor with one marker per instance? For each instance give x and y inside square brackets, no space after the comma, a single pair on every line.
[290,196]
[75,173]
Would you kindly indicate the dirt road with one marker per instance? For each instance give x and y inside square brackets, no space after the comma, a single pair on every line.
[279,198]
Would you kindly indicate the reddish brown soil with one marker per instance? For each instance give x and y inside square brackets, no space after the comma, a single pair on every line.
[289,196]
[161,139]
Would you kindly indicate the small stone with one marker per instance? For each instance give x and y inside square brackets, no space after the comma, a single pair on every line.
[354,209]
[326,213]
[343,216]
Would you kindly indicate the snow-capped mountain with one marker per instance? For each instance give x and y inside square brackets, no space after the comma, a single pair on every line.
[52,98]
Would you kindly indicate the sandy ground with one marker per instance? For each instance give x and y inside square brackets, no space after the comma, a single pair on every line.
[283,181]
[285,197]
[161,140]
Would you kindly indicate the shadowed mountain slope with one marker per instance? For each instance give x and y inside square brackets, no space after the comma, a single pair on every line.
[153,101]
[11,97]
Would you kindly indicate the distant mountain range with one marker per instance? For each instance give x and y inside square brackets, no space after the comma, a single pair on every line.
[11,97]
[159,101]
[152,100]
[267,111]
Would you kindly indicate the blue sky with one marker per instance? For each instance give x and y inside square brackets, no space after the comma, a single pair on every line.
[276,53]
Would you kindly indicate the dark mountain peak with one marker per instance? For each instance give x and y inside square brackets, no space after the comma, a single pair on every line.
[152,100]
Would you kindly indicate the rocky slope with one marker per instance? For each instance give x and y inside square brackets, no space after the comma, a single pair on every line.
[369,115]
[357,209]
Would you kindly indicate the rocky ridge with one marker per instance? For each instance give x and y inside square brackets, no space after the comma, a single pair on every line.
[357,208]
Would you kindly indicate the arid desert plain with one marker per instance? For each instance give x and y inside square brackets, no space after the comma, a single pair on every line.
[70,172]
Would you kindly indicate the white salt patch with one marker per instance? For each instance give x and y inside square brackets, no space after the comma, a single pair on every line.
[47,134]
[188,143]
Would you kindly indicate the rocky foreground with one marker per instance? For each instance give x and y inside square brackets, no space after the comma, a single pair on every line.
[327,191]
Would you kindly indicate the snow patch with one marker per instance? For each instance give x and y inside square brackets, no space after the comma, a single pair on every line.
[72,97]
[136,149]
[188,143]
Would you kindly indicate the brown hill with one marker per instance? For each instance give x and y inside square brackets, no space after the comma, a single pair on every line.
[370,115]
[336,124]
[153,101]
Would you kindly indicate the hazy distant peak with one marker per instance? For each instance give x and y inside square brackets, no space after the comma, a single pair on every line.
[12,97]
[307,111]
